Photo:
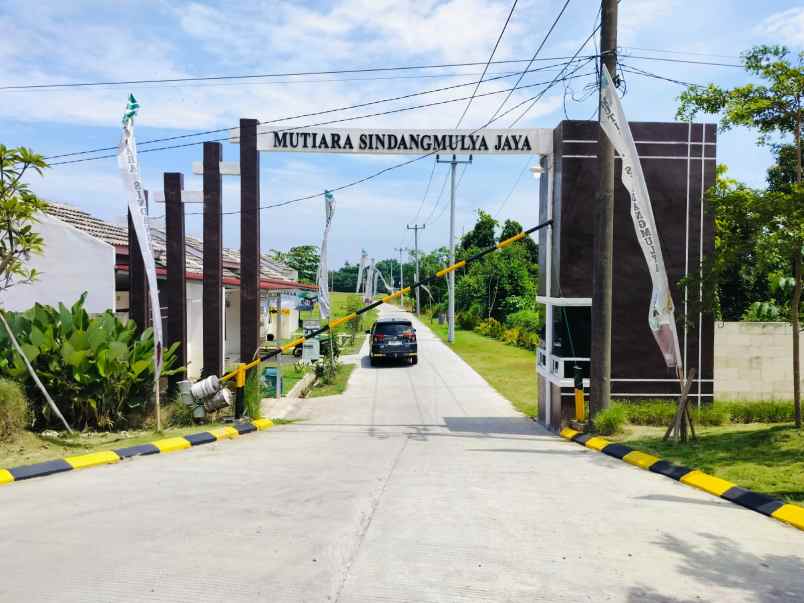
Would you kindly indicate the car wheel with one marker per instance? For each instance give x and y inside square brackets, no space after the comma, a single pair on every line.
[414,360]
[372,361]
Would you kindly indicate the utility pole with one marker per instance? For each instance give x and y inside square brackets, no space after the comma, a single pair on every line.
[602,247]
[416,228]
[451,276]
[401,275]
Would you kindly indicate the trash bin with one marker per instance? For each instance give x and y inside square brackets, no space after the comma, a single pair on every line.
[270,376]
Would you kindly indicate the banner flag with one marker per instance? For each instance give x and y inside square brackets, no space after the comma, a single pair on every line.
[361,269]
[661,314]
[323,271]
[137,206]
[368,294]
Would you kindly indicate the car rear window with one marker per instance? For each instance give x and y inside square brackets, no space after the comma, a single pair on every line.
[392,328]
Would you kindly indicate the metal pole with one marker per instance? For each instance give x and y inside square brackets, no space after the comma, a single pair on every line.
[401,276]
[603,234]
[451,280]
[416,228]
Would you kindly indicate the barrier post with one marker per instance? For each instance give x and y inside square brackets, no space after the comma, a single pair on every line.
[240,384]
[580,405]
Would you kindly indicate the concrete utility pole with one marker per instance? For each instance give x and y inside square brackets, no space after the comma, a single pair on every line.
[401,275]
[603,242]
[451,276]
[416,228]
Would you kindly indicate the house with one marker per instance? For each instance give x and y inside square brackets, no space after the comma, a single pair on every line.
[109,279]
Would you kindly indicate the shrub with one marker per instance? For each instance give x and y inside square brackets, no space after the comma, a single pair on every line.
[98,370]
[610,420]
[468,319]
[510,336]
[771,411]
[253,394]
[528,320]
[490,327]
[13,408]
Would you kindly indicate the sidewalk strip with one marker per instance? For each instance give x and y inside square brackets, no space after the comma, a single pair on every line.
[756,501]
[107,457]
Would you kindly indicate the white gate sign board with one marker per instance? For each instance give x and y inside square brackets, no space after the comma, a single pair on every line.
[523,141]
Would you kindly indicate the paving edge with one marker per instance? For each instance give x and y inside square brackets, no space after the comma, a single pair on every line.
[761,503]
[106,457]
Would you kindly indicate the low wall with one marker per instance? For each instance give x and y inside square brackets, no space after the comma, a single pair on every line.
[754,361]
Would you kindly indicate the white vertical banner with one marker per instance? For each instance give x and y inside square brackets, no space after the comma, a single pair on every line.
[130,172]
[661,314]
[368,294]
[361,269]
[323,272]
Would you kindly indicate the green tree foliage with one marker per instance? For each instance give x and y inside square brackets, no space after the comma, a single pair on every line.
[482,234]
[99,372]
[772,108]
[782,174]
[303,258]
[345,278]
[18,209]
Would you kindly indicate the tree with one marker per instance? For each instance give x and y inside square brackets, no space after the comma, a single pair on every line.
[772,108]
[18,209]
[482,234]
[782,174]
[304,259]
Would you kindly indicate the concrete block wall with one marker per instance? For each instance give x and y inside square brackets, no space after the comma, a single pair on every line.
[754,361]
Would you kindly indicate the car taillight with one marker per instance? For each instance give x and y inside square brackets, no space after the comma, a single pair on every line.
[378,338]
[409,336]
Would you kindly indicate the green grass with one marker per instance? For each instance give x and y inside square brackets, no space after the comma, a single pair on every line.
[338,300]
[761,457]
[509,370]
[26,447]
[338,386]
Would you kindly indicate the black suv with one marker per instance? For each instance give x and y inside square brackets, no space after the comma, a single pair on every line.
[393,338]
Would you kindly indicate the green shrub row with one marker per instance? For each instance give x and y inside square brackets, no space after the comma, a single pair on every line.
[661,413]
[521,329]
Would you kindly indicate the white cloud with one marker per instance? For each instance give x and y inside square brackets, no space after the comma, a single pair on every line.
[786,26]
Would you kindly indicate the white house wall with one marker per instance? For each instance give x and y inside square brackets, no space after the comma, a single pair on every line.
[72,262]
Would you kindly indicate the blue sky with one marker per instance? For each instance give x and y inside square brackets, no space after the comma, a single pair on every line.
[49,42]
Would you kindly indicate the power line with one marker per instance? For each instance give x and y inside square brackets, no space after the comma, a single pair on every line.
[637,71]
[516,85]
[324,123]
[685,61]
[535,54]
[257,75]
[516,184]
[680,52]
[302,115]
[491,57]
[390,168]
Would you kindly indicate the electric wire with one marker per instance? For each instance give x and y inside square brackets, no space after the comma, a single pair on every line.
[303,115]
[262,75]
[491,57]
[303,126]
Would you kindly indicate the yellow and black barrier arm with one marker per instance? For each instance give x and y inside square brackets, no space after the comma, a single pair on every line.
[239,374]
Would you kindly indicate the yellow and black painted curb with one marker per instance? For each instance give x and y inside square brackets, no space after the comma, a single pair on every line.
[756,501]
[106,457]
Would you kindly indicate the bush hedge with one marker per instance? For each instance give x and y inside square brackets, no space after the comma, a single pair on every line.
[13,409]
[98,370]
[660,413]
[610,420]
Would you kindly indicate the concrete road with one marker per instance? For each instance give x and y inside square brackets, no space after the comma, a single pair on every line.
[419,484]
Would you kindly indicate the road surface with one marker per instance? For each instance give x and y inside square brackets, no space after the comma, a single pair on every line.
[419,484]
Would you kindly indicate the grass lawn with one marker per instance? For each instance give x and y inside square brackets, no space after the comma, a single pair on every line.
[759,456]
[508,369]
[26,447]
[339,308]
[336,387]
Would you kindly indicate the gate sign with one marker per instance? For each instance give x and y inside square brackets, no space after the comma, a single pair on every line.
[523,141]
